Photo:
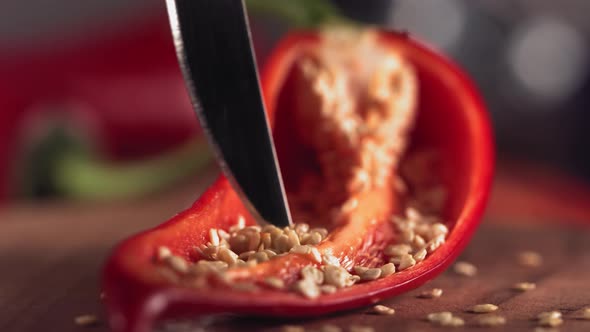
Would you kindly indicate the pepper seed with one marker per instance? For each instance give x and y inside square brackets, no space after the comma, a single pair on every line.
[484,308]
[491,320]
[387,270]
[524,286]
[431,294]
[86,320]
[406,261]
[383,310]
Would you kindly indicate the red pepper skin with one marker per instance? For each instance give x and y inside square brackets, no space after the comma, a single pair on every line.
[452,118]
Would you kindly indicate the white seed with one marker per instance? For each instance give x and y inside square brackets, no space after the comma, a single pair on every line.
[86,320]
[300,249]
[530,259]
[245,255]
[177,264]
[315,255]
[337,276]
[524,286]
[484,308]
[241,222]
[302,228]
[395,260]
[163,253]
[253,237]
[270,253]
[440,317]
[360,269]
[312,238]
[275,282]
[258,257]
[418,241]
[322,231]
[282,243]
[330,259]
[370,274]
[438,229]
[549,314]
[465,269]
[265,240]
[328,289]
[435,243]
[407,235]
[383,310]
[491,320]
[214,236]
[431,294]
[312,273]
[420,255]
[454,322]
[293,238]
[413,214]
[550,321]
[406,261]
[397,250]
[307,288]
[227,256]
[387,270]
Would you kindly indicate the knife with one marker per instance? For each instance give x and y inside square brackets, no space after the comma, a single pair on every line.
[214,49]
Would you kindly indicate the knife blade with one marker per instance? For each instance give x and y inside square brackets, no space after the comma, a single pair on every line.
[213,44]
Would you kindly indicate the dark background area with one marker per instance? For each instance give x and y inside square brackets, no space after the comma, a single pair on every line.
[530,58]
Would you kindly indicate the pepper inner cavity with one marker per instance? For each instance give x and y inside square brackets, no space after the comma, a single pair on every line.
[356,102]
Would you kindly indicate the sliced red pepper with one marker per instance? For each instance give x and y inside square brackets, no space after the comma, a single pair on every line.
[451,119]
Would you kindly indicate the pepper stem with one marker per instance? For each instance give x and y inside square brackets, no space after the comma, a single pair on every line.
[301,13]
[80,176]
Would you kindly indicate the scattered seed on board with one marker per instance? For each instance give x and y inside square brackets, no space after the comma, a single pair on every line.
[491,320]
[586,313]
[465,269]
[484,308]
[524,286]
[383,310]
[455,322]
[361,328]
[549,314]
[431,294]
[330,328]
[530,259]
[550,321]
[293,328]
[86,320]
[440,318]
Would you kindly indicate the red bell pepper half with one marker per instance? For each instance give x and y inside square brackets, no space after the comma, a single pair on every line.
[451,119]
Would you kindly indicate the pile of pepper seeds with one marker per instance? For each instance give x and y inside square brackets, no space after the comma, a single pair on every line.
[247,246]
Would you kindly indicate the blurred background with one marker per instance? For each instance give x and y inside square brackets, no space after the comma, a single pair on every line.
[93,105]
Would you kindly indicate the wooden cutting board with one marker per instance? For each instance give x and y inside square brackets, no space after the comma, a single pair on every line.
[51,255]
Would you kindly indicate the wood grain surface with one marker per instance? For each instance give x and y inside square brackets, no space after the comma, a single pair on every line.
[51,255]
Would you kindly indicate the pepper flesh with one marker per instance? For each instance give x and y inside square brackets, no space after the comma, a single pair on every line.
[451,120]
